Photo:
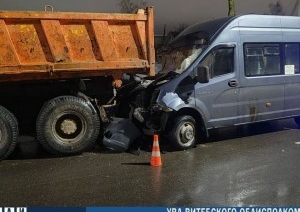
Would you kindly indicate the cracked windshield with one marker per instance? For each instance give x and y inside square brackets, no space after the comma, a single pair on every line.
[183,52]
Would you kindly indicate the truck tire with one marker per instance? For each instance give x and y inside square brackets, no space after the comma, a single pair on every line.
[9,133]
[183,133]
[67,125]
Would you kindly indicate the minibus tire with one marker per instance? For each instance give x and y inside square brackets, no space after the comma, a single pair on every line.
[183,133]
[297,120]
[9,133]
[67,125]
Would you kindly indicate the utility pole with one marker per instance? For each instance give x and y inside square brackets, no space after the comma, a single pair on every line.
[231,11]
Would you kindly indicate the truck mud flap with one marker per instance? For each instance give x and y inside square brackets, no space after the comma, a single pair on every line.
[120,134]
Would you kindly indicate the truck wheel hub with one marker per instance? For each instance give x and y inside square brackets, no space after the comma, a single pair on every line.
[68,126]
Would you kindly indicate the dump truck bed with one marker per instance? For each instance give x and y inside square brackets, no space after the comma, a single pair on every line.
[63,45]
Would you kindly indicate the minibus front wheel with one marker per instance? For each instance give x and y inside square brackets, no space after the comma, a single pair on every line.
[183,133]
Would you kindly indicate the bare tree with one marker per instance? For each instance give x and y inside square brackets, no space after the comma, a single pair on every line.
[276,8]
[231,11]
[131,6]
[178,29]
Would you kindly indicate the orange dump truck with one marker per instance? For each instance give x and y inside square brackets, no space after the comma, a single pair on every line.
[57,70]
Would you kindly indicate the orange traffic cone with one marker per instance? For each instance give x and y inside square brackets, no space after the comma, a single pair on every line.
[155,157]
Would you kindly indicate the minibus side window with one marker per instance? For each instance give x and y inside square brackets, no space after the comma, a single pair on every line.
[219,61]
[291,65]
[262,59]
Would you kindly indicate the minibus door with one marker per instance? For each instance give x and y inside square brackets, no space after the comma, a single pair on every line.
[218,97]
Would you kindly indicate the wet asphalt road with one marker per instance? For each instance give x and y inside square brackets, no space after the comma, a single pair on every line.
[240,166]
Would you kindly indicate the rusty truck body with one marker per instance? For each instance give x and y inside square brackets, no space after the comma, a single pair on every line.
[57,69]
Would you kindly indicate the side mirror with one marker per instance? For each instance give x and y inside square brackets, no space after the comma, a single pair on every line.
[202,74]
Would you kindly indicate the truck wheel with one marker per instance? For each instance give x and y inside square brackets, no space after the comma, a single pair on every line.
[9,133]
[297,120]
[67,125]
[183,133]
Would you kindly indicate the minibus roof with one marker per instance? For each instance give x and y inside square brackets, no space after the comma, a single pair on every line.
[207,30]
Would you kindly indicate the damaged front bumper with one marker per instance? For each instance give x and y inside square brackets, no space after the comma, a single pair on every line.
[120,134]
[152,120]
[138,113]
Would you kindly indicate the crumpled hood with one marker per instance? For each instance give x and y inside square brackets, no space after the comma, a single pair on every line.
[141,83]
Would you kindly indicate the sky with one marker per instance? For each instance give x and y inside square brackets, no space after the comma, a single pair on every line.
[169,13]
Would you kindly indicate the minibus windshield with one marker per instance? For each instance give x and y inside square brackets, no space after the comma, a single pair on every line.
[179,58]
[184,49]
